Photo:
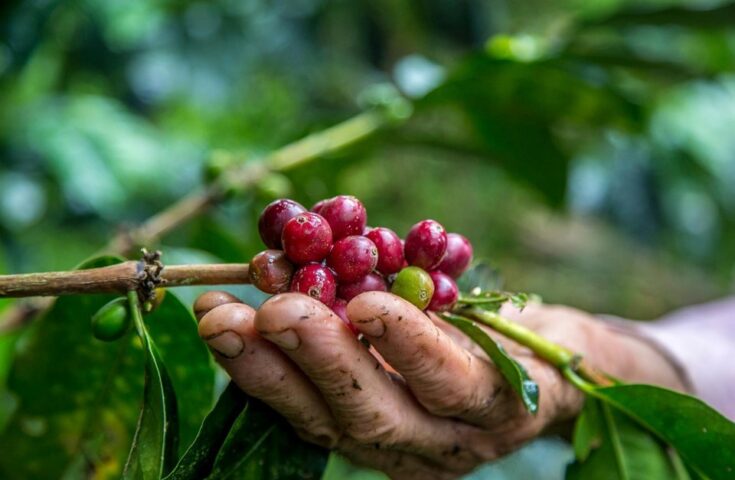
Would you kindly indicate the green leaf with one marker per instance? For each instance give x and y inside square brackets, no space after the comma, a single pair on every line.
[704,438]
[198,460]
[77,398]
[513,109]
[626,451]
[261,445]
[173,328]
[156,438]
[513,371]
[480,276]
[587,430]
[697,17]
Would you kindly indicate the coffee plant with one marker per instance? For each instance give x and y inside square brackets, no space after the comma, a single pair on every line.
[135,341]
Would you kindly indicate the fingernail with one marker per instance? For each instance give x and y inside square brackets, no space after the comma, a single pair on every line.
[324,439]
[228,344]
[287,339]
[372,326]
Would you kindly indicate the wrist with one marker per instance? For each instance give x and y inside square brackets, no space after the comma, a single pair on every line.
[642,360]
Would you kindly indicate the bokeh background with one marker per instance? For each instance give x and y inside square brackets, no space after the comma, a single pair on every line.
[586,148]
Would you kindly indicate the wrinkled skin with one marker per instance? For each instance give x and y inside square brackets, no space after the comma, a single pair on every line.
[424,401]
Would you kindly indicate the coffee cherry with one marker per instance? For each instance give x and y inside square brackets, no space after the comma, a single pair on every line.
[372,282]
[353,257]
[318,205]
[458,256]
[340,309]
[426,244]
[390,249]
[415,285]
[111,321]
[270,271]
[274,218]
[446,292]
[345,214]
[315,281]
[159,294]
[306,238]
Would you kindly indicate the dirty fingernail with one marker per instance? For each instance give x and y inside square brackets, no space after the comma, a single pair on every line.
[371,326]
[287,339]
[228,344]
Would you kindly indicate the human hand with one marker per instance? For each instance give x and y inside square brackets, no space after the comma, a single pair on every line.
[424,401]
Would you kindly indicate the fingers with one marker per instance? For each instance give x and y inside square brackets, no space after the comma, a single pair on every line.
[447,379]
[261,370]
[207,301]
[370,408]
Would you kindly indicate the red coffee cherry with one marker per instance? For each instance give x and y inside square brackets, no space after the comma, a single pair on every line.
[318,205]
[353,257]
[270,271]
[340,309]
[372,282]
[458,256]
[390,249]
[446,292]
[315,281]
[426,244]
[306,238]
[345,214]
[274,217]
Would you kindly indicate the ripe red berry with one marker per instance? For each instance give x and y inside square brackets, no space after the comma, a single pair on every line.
[372,282]
[270,271]
[318,205]
[306,238]
[315,281]
[446,292]
[274,217]
[426,244]
[340,309]
[458,256]
[353,257]
[345,214]
[390,249]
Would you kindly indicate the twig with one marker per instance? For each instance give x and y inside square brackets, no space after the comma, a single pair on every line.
[241,177]
[119,278]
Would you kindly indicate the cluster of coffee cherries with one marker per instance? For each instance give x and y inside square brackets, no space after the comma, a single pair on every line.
[330,254]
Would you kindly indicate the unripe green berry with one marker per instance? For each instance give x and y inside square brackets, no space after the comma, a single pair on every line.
[111,321]
[414,285]
[158,295]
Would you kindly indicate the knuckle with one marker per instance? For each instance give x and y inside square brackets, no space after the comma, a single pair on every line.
[450,404]
[381,430]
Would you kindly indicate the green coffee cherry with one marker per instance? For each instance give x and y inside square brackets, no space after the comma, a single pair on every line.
[415,285]
[111,321]
[158,295]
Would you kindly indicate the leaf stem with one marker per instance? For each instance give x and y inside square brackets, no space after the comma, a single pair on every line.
[559,356]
